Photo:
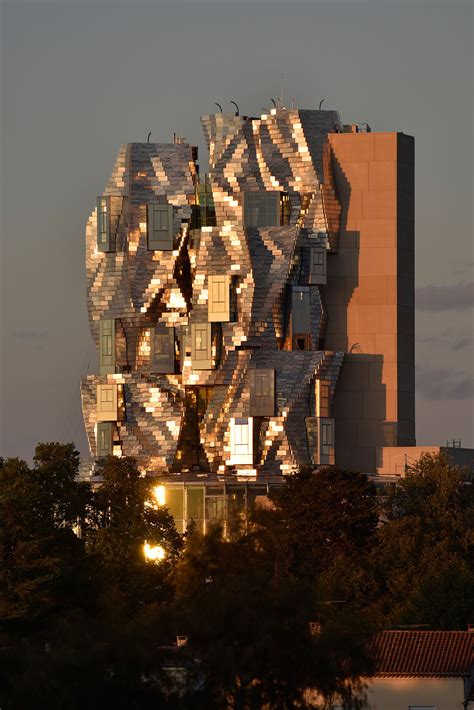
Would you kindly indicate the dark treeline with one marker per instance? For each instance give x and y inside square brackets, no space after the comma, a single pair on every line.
[88,622]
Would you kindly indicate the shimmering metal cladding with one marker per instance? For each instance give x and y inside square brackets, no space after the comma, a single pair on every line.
[203,285]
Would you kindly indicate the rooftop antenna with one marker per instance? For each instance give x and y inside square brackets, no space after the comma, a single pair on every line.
[264,108]
[273,102]
[237,108]
[320,104]
[281,91]
[218,105]
[148,139]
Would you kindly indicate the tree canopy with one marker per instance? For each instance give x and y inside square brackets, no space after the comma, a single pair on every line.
[281,608]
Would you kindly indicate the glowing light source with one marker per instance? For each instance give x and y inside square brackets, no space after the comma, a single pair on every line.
[159,493]
[154,553]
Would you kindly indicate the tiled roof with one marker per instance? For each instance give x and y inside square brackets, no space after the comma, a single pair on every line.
[423,653]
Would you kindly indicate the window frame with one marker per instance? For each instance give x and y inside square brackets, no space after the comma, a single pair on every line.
[104,245]
[254,200]
[262,405]
[218,310]
[164,242]
[107,413]
[162,362]
[204,362]
[241,451]
[107,335]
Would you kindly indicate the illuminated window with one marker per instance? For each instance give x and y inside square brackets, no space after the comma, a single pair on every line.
[106,403]
[322,398]
[160,226]
[241,440]
[201,352]
[218,302]
[104,241]
[107,346]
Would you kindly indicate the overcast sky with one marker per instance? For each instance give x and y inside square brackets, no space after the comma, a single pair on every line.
[80,78]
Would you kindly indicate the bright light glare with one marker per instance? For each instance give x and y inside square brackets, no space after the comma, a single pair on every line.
[154,553]
[159,493]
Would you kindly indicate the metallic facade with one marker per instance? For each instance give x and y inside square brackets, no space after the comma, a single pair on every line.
[208,300]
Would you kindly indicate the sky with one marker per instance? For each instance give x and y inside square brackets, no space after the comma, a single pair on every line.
[80,78]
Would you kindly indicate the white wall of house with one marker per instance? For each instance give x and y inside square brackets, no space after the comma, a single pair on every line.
[415,693]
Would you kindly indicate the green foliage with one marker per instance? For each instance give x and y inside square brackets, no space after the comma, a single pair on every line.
[426,547]
[87,618]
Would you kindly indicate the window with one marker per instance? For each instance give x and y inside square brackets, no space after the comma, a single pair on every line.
[205,205]
[300,310]
[104,241]
[422,707]
[106,403]
[215,508]
[162,349]
[107,346]
[218,302]
[160,226]
[201,352]
[241,440]
[318,272]
[104,439]
[262,209]
[322,398]
[326,440]
[262,393]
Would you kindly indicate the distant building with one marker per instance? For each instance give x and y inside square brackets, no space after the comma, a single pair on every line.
[263,317]
[422,670]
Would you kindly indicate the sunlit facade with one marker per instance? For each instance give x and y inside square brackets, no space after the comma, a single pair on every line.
[257,319]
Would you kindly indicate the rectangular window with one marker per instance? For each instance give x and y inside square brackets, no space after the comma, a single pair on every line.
[322,398]
[107,346]
[195,503]
[104,241]
[326,440]
[218,300]
[241,440]
[160,226]
[300,310]
[262,209]
[106,403]
[201,346]
[162,349]
[104,439]
[262,393]
[318,271]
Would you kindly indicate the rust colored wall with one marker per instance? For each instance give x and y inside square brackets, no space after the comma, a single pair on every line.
[370,295]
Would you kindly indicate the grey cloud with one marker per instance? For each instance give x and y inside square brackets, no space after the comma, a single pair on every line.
[443,384]
[457,297]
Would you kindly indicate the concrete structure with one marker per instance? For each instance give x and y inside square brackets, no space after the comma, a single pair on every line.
[223,309]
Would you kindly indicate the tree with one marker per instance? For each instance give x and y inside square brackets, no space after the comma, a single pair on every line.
[250,628]
[426,547]
[40,554]
[124,516]
[325,514]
